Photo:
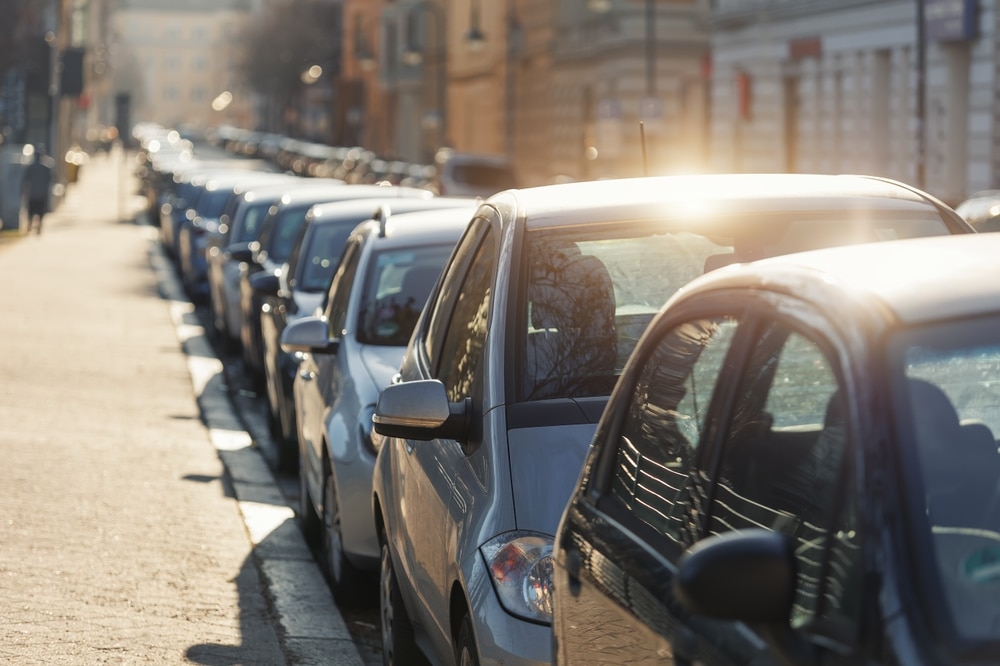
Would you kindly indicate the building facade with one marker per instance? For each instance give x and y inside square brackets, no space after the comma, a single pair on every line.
[894,88]
[177,61]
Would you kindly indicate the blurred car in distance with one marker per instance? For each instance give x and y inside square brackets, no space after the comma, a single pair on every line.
[300,287]
[799,464]
[482,439]
[472,175]
[349,353]
[278,237]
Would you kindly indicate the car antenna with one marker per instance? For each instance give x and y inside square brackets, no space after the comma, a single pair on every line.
[382,215]
[642,140]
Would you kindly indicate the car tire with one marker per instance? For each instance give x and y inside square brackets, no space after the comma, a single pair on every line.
[398,646]
[465,644]
[345,579]
[308,518]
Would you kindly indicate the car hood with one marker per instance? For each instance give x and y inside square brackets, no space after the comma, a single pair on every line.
[545,464]
[382,363]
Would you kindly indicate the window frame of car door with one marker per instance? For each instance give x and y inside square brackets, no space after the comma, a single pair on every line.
[815,327]
[341,287]
[750,317]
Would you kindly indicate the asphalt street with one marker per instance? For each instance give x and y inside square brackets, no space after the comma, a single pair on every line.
[140,521]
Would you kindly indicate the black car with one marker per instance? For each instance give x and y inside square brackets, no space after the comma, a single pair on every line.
[799,465]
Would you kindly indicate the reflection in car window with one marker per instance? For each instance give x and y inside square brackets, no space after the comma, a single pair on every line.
[461,348]
[317,262]
[664,422]
[782,468]
[340,290]
[250,227]
[285,233]
[396,288]
[588,297]
[950,406]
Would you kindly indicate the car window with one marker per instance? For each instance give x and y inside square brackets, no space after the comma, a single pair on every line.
[396,289]
[314,262]
[664,422]
[948,407]
[783,468]
[249,227]
[340,290]
[285,232]
[440,310]
[589,295]
[463,339]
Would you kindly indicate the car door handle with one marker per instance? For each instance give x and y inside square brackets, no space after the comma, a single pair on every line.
[307,375]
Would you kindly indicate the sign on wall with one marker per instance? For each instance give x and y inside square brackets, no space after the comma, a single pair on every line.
[950,20]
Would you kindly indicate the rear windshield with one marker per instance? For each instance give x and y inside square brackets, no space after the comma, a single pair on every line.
[484,175]
[396,289]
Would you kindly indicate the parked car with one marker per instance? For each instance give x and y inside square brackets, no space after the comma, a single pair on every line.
[300,287]
[349,353]
[228,256]
[799,465]
[197,232]
[471,174]
[482,439]
[278,236]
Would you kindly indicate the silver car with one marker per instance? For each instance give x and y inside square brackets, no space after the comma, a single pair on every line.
[348,354]
[482,437]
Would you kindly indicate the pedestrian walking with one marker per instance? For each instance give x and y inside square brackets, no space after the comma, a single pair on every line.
[37,187]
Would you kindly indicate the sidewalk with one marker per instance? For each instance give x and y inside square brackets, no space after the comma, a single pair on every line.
[139,522]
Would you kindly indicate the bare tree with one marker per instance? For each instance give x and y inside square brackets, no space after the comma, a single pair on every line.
[288,38]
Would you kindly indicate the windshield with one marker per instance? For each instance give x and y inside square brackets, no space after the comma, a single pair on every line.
[212,203]
[248,222]
[319,258]
[396,288]
[949,411]
[591,291]
[285,232]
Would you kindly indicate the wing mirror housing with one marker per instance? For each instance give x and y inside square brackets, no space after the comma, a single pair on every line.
[309,335]
[265,283]
[745,575]
[420,410]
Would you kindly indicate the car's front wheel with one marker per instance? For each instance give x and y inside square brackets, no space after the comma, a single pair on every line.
[398,646]
[465,645]
[345,578]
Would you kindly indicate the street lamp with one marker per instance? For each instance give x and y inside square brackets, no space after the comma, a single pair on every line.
[413,54]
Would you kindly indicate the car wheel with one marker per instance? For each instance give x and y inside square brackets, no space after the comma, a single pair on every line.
[398,646]
[307,513]
[345,578]
[465,647]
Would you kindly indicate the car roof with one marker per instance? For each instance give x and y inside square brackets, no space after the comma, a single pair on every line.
[425,227]
[707,197]
[378,202]
[336,190]
[918,280]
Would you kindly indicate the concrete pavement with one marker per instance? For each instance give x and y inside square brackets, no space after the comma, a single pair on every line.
[138,521]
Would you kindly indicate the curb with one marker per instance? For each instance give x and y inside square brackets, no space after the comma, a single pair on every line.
[311,626]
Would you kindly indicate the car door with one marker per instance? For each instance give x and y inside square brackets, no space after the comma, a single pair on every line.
[432,472]
[640,498]
[311,393]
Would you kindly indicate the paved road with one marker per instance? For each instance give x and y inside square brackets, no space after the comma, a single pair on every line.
[139,522]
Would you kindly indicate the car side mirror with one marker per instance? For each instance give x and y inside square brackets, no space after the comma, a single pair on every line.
[746,575]
[239,252]
[265,283]
[310,335]
[420,410]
